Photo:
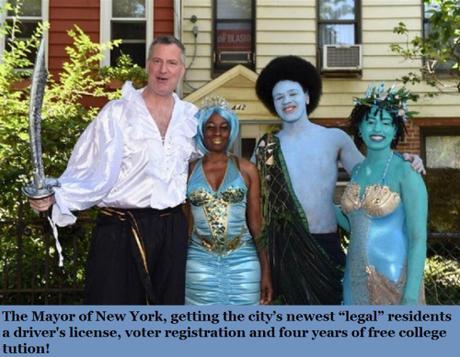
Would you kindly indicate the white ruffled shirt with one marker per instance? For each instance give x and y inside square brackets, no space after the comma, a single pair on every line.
[121,161]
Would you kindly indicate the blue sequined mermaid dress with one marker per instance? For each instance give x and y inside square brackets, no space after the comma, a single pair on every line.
[375,271]
[222,262]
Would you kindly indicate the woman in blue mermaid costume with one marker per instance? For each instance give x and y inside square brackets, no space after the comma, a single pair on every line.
[384,207]
[224,265]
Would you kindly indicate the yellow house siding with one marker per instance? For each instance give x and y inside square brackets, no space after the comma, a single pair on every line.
[379,24]
[271,51]
[391,12]
[386,61]
[197,75]
[285,27]
[285,37]
[200,72]
[375,49]
[385,38]
[390,3]
[275,26]
[202,62]
[289,27]
[288,9]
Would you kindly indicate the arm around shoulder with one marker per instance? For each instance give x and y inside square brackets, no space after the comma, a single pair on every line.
[349,155]
[342,219]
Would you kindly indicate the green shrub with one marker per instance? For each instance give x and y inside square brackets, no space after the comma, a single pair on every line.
[126,70]
[442,281]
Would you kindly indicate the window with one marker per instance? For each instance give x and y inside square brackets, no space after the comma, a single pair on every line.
[339,24]
[247,147]
[442,148]
[233,34]
[31,13]
[250,133]
[443,68]
[132,22]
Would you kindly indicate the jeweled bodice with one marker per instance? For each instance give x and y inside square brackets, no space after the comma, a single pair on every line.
[219,216]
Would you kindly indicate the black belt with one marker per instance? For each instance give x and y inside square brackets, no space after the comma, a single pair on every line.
[142,211]
[128,216]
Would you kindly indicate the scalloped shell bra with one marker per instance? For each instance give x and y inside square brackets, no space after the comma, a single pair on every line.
[378,200]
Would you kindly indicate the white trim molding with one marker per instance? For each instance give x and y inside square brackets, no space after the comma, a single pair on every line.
[44,18]
[105,26]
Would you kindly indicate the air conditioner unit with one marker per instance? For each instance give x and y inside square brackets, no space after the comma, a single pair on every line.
[342,58]
[234,56]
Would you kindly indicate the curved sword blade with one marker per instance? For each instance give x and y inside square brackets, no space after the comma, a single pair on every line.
[37,92]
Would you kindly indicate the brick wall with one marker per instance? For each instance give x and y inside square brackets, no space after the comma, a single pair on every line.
[411,143]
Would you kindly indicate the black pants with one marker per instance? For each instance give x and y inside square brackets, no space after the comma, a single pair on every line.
[113,275]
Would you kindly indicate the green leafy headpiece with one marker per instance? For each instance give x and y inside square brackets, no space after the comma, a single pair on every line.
[392,100]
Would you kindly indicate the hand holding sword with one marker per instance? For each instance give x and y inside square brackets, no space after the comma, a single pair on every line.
[41,204]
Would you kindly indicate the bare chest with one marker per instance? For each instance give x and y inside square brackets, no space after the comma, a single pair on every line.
[310,156]
[162,118]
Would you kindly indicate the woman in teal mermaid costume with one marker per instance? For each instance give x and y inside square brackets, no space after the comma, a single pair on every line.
[223,191]
[384,207]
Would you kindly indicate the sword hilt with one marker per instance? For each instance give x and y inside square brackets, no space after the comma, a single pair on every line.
[35,192]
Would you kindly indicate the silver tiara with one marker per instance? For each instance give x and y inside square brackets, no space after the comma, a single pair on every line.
[215,101]
[221,102]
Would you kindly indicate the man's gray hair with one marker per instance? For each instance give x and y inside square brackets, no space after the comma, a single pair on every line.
[167,40]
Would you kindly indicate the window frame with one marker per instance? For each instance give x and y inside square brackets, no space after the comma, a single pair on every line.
[440,72]
[106,27]
[435,131]
[358,31]
[44,18]
[218,69]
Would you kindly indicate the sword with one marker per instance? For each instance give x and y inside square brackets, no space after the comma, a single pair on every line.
[41,186]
